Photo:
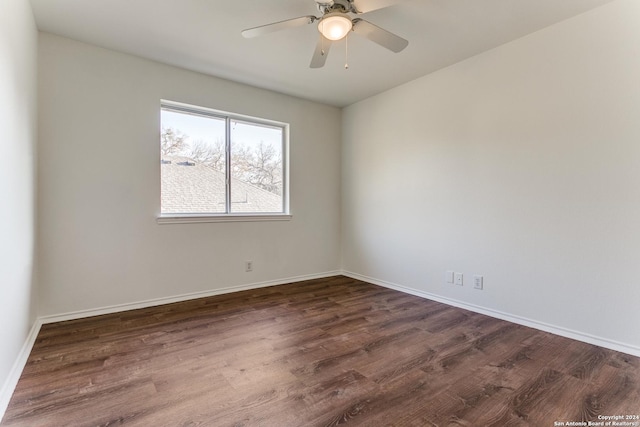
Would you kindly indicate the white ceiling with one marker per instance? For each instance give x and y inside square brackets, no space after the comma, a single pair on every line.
[204,36]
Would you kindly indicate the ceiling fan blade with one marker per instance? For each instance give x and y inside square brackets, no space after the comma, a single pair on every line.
[321,53]
[377,35]
[277,26]
[364,6]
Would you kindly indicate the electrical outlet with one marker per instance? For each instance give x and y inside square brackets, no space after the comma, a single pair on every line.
[448,277]
[478,282]
[458,279]
[248,266]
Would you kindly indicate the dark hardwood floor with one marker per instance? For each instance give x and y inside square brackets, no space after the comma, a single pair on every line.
[316,353]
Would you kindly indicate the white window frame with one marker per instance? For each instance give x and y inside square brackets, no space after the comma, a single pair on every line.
[285,215]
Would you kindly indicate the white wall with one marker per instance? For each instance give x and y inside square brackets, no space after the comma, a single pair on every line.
[18,56]
[521,164]
[99,174]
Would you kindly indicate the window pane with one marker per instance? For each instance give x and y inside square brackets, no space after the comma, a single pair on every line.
[256,168]
[193,163]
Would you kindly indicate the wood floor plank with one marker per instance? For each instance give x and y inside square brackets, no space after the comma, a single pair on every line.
[321,352]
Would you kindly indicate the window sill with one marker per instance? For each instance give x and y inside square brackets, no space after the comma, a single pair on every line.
[195,219]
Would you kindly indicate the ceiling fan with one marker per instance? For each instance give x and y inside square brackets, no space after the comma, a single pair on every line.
[335,24]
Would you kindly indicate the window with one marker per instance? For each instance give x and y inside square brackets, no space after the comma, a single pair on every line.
[221,166]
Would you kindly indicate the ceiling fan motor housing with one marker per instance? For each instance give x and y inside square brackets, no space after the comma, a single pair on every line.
[330,6]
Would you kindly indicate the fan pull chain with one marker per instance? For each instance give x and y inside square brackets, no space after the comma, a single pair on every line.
[346,52]
[322,38]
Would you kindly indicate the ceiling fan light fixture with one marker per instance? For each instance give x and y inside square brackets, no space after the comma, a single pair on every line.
[335,26]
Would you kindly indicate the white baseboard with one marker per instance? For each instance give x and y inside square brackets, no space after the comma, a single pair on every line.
[553,329]
[18,366]
[180,298]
